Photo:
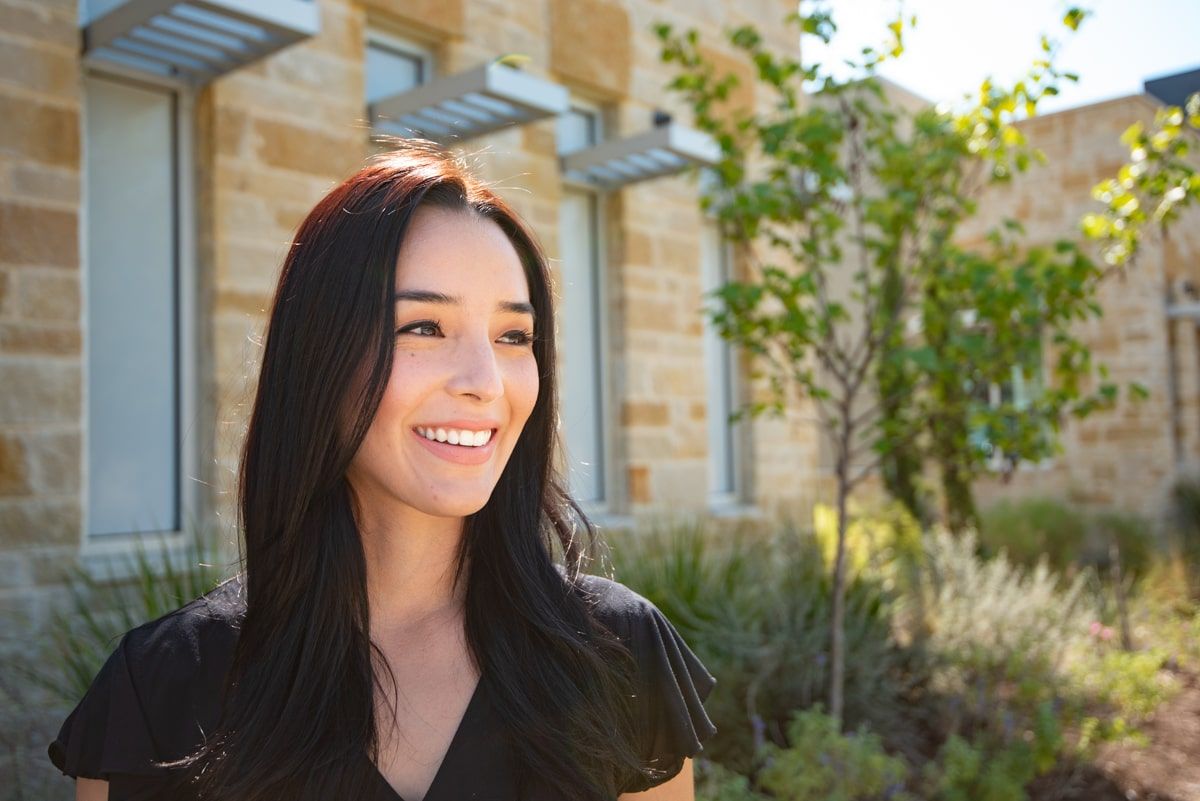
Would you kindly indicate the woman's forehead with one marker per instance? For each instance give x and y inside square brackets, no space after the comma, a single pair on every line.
[449,249]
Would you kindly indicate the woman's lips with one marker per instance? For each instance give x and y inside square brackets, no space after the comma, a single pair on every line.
[459,454]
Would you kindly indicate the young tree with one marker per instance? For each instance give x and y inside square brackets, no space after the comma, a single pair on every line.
[1160,180]
[859,301]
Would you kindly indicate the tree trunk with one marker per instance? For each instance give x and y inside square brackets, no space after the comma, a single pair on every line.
[837,657]
[895,388]
[949,436]
[900,469]
[961,512]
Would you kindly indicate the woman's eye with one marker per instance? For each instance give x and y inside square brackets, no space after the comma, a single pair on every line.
[425,325]
[519,337]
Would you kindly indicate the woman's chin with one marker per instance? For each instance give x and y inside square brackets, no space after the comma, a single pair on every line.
[458,505]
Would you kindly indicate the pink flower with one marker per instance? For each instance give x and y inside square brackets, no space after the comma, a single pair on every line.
[1095,628]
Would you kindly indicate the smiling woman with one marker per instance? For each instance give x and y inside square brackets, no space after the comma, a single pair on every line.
[412,620]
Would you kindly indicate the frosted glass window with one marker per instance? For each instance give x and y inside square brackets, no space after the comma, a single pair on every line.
[580,325]
[576,130]
[719,372]
[132,310]
[393,67]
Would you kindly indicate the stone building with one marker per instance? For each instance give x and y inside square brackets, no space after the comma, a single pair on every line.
[1128,458]
[153,169]
[154,165]
[156,158]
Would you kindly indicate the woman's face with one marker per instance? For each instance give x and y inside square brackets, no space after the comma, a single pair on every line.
[464,378]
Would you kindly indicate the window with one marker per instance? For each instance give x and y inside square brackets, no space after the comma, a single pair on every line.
[581,324]
[1004,401]
[720,371]
[394,65]
[137,236]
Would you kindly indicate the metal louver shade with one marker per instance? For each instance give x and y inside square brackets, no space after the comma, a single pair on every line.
[469,104]
[196,40]
[664,150]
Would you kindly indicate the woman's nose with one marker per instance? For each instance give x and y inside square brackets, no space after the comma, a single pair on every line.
[475,370]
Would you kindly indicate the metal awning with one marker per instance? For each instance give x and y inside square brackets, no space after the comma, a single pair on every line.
[193,41]
[469,104]
[664,150]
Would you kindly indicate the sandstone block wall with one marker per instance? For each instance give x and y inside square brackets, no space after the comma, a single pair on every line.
[41,370]
[269,140]
[1126,458]
[40,305]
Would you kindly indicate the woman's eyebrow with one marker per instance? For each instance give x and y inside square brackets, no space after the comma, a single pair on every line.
[442,299]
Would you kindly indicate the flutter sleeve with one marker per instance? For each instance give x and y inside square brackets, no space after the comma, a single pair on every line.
[674,686]
[107,733]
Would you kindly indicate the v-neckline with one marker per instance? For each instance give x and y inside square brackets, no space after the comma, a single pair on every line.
[455,739]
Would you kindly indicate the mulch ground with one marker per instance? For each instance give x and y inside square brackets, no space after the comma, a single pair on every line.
[1166,769]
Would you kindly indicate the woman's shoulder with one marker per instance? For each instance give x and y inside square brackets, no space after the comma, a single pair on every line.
[202,632]
[672,682]
[157,693]
[619,607]
[649,633]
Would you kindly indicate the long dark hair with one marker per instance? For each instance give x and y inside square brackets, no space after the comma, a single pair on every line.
[298,713]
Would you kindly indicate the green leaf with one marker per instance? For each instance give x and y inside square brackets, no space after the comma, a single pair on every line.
[514,60]
[924,357]
[1074,17]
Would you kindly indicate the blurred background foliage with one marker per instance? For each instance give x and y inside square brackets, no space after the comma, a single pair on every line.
[976,668]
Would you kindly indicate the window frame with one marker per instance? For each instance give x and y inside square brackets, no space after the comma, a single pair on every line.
[733,499]
[606,506]
[997,462]
[109,556]
[378,34]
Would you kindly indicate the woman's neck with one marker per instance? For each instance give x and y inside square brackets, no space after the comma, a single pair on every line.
[410,569]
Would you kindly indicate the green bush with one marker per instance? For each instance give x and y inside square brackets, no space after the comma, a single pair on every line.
[1030,529]
[715,782]
[997,636]
[822,764]
[965,771]
[1128,686]
[755,607]
[1133,536]
[1186,510]
[993,618]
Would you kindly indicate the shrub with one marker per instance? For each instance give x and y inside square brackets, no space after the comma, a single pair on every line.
[965,771]
[717,783]
[1030,529]
[1128,686]
[822,764]
[994,618]
[1133,536]
[880,542]
[755,606]
[998,637]
[1185,498]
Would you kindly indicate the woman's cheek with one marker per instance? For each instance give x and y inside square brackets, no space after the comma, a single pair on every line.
[528,384]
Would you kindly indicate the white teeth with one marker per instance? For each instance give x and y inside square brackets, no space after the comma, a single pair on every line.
[456,436]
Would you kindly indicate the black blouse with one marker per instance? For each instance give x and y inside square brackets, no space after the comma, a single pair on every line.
[160,691]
